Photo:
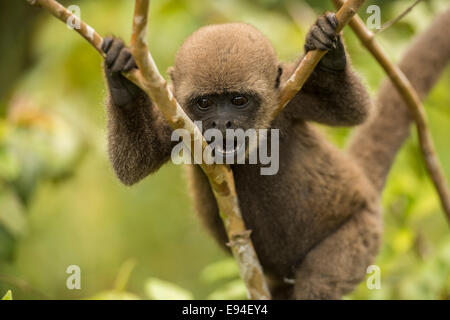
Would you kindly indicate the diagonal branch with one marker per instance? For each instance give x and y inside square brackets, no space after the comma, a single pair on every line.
[86,31]
[294,84]
[65,15]
[390,23]
[414,104]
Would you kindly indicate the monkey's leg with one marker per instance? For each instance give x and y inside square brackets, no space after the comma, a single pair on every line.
[338,263]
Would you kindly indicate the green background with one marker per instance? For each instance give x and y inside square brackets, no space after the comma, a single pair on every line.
[60,203]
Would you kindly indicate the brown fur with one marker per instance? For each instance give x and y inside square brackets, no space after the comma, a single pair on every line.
[232,57]
[133,141]
[318,219]
[375,144]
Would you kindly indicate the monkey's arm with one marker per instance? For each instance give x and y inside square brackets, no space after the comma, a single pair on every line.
[138,136]
[333,94]
[337,99]
[138,139]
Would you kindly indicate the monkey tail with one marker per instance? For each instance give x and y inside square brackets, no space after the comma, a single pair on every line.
[376,143]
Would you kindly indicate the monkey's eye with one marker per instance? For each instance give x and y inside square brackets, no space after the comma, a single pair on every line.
[204,103]
[239,101]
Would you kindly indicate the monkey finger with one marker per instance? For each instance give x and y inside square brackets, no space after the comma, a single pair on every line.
[337,42]
[131,64]
[323,41]
[320,46]
[314,44]
[122,59]
[326,27]
[332,19]
[114,52]
[106,45]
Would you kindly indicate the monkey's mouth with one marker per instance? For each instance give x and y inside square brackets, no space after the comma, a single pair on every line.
[228,148]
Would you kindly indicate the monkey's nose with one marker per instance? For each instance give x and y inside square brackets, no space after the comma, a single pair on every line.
[222,125]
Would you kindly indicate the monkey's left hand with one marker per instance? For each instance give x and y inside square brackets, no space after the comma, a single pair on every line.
[322,36]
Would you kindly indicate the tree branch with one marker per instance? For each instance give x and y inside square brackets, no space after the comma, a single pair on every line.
[388,24]
[294,84]
[65,15]
[414,104]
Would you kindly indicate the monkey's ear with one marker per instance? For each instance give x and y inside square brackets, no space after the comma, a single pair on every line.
[277,81]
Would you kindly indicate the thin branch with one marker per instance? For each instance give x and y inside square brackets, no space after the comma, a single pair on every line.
[65,15]
[414,104]
[312,58]
[220,177]
[86,31]
[388,24]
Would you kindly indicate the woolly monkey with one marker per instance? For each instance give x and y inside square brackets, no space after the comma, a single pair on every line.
[317,222]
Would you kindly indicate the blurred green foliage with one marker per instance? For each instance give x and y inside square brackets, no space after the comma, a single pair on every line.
[60,203]
[7,296]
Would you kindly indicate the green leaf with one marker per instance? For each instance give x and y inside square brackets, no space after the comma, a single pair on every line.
[157,289]
[8,296]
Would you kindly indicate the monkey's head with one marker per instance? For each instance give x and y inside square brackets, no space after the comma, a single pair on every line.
[227,76]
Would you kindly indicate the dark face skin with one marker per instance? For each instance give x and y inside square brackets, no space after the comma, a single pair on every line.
[230,110]
[224,111]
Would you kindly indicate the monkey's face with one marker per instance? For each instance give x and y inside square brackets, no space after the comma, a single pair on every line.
[225,112]
[228,110]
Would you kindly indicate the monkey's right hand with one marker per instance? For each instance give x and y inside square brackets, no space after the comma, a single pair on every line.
[119,59]
[322,35]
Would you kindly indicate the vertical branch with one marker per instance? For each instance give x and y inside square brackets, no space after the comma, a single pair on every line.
[312,58]
[414,104]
